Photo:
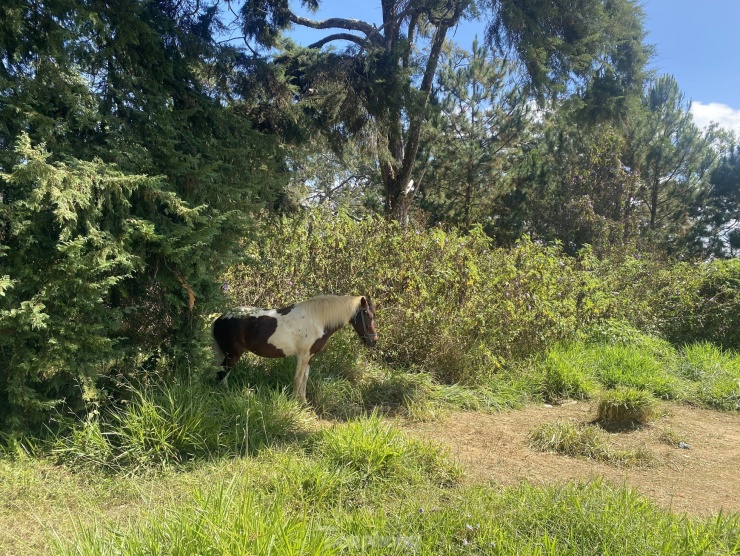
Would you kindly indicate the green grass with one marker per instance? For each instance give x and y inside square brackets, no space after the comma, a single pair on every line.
[357,487]
[626,407]
[187,469]
[614,357]
[374,450]
[715,373]
[246,514]
[172,425]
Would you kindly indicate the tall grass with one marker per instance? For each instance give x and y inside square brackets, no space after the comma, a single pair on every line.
[700,373]
[225,520]
[374,450]
[716,374]
[163,426]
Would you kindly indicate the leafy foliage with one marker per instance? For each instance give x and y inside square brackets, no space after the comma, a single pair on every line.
[75,234]
[127,181]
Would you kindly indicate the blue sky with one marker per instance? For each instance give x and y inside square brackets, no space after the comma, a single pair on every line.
[697,41]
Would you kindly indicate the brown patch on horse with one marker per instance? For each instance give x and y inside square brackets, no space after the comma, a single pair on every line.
[235,335]
[285,310]
[319,344]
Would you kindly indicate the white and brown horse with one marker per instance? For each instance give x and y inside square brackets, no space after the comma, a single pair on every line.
[301,330]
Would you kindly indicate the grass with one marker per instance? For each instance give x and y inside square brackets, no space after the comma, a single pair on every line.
[374,450]
[357,487]
[609,356]
[616,357]
[172,425]
[715,373]
[269,504]
[626,407]
[587,441]
[186,469]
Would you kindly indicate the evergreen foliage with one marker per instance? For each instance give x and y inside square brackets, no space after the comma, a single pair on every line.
[100,270]
[130,164]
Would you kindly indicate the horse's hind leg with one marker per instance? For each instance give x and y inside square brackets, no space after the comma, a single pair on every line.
[301,377]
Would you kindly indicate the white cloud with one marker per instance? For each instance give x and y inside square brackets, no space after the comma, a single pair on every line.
[726,117]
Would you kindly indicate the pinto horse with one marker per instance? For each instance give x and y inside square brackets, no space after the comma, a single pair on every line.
[301,330]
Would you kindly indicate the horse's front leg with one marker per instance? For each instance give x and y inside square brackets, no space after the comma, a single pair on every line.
[301,377]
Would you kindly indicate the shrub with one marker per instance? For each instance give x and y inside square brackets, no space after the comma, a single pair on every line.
[449,304]
[98,276]
[683,302]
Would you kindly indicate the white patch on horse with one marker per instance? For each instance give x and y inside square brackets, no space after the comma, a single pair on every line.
[295,335]
[248,311]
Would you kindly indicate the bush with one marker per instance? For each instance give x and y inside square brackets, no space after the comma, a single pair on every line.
[681,301]
[449,304]
[98,278]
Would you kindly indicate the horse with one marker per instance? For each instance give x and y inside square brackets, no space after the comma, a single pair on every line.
[300,329]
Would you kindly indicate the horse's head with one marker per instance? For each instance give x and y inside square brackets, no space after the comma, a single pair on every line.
[364,322]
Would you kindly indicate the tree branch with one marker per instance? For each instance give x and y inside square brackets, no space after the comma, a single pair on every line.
[339,37]
[334,23]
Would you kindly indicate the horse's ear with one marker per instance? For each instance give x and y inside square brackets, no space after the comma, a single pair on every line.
[363,302]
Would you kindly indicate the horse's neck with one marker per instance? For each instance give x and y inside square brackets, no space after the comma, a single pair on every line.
[336,312]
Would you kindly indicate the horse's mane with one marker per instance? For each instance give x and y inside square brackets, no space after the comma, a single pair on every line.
[334,311]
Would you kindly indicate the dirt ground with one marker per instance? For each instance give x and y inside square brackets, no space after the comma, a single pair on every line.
[700,480]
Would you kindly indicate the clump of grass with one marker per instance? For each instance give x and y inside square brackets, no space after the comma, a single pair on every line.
[171,425]
[631,366]
[619,333]
[570,439]
[335,397]
[671,437]
[377,452]
[626,406]
[587,441]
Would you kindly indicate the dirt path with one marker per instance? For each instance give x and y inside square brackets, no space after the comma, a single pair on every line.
[701,480]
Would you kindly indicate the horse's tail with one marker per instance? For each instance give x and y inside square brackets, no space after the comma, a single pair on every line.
[218,353]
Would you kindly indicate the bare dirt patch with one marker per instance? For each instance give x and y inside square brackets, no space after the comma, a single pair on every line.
[701,480]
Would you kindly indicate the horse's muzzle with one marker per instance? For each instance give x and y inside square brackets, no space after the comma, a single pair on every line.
[371,340]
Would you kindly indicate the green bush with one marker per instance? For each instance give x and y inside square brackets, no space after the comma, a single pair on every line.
[99,271]
[683,302]
[449,304]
